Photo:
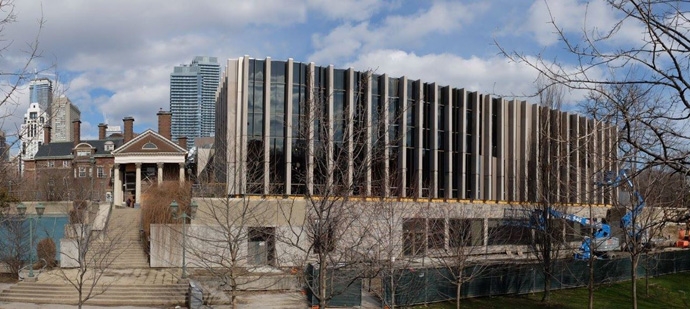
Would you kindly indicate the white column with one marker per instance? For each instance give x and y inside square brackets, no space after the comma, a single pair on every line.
[182,176]
[160,173]
[402,145]
[137,193]
[486,176]
[433,139]
[117,186]
[288,126]
[267,125]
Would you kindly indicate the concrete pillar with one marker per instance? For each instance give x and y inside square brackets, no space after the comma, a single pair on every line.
[160,173]
[137,192]
[267,126]
[288,126]
[386,140]
[418,144]
[402,154]
[433,139]
[182,173]
[369,132]
[462,101]
[117,186]
[475,158]
[574,159]
[487,158]
[310,141]
[448,142]
[500,184]
[350,108]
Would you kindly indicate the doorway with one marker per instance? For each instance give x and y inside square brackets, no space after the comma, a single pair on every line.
[262,246]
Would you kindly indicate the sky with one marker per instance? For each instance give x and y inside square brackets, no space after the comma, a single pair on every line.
[114,58]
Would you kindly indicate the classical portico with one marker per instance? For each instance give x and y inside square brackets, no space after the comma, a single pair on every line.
[148,159]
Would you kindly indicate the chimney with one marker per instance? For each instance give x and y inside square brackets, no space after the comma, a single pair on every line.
[164,120]
[76,130]
[182,141]
[101,130]
[46,133]
[129,128]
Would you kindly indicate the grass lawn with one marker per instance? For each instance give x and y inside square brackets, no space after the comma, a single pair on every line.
[670,291]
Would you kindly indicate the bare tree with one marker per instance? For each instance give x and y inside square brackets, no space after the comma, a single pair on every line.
[91,250]
[233,238]
[339,146]
[461,257]
[617,69]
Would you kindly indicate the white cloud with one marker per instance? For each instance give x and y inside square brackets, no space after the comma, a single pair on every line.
[348,9]
[574,17]
[395,31]
[495,75]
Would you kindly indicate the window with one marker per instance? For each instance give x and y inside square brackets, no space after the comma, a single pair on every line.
[437,234]
[518,233]
[109,146]
[51,163]
[99,171]
[83,153]
[82,172]
[149,145]
[65,163]
[414,236]
[465,232]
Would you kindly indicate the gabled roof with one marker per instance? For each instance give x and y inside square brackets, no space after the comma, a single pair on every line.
[64,149]
[150,142]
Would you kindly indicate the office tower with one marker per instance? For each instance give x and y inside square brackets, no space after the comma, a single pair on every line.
[192,98]
[41,92]
[64,112]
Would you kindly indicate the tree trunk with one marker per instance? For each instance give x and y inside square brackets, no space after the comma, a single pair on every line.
[633,276]
[646,276]
[323,268]
[590,285]
[392,305]
[458,289]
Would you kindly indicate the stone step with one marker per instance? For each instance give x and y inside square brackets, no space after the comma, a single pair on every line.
[131,295]
[115,295]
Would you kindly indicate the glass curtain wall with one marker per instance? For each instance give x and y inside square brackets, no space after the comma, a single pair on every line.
[255,121]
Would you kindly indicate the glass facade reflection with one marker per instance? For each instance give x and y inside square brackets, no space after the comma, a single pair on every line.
[308,129]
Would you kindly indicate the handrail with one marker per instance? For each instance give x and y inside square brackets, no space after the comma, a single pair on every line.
[45,264]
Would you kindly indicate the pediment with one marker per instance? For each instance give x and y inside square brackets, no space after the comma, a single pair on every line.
[150,142]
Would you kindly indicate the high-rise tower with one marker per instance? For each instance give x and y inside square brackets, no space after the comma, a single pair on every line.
[41,92]
[192,98]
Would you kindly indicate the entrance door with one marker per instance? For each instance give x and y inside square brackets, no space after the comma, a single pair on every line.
[261,250]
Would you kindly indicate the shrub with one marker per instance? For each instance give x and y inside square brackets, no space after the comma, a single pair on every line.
[77,214]
[46,250]
[156,205]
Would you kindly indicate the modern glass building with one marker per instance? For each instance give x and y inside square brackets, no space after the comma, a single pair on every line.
[192,98]
[290,128]
[41,92]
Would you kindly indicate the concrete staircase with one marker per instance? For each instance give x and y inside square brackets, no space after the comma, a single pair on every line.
[128,251]
[126,281]
[168,295]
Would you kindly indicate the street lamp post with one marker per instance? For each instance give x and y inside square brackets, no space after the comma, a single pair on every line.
[184,216]
[21,209]
[93,174]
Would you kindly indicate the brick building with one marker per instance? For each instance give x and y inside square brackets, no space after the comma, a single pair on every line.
[106,168]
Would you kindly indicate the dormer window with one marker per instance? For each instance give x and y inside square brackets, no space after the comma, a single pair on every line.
[149,145]
[109,146]
[83,153]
